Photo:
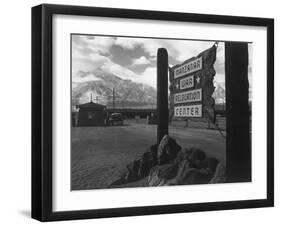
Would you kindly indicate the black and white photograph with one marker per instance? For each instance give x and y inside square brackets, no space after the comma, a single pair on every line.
[126,132]
[142,112]
[139,113]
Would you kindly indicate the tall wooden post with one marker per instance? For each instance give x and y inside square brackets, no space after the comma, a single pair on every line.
[113,99]
[238,155]
[162,93]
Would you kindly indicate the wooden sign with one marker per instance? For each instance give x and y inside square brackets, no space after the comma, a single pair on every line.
[191,87]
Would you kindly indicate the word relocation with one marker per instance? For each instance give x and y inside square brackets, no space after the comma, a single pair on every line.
[188,96]
[189,67]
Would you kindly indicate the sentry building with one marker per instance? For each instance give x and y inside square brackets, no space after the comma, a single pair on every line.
[91,114]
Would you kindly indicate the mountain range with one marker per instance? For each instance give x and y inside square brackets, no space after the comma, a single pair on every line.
[127,93]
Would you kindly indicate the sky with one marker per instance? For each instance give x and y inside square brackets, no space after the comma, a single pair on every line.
[135,58]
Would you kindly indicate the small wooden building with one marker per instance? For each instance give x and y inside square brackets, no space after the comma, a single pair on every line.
[74,118]
[91,114]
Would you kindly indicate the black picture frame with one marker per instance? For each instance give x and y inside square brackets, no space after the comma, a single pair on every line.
[42,106]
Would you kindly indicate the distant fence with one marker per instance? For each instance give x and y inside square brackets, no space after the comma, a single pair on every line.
[200,123]
[149,116]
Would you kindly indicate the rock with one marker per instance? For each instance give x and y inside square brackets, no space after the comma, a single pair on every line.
[168,164]
[160,174]
[196,176]
[148,160]
[191,176]
[197,158]
[153,149]
[118,182]
[140,168]
[188,174]
[133,169]
[219,175]
[183,154]
[167,150]
[183,167]
[212,164]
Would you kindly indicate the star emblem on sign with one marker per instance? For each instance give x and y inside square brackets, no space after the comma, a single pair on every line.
[197,80]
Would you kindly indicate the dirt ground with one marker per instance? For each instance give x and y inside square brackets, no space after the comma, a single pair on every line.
[99,155]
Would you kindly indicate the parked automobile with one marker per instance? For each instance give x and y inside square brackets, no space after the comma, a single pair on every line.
[115,119]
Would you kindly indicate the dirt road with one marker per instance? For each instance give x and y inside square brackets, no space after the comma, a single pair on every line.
[100,154]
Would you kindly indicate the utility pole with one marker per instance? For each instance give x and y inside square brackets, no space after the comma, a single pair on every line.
[113,98]
[97,99]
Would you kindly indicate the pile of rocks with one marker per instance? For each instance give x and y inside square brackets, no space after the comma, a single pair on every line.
[169,164]
[191,166]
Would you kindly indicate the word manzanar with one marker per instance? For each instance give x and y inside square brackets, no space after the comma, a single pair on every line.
[192,66]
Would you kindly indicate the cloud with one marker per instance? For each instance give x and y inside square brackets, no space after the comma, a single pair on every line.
[219,78]
[141,61]
[85,78]
[118,70]
[219,64]
[250,69]
[188,49]
[86,57]
[97,44]
[148,77]
[180,50]
[150,46]
[94,52]
[128,43]
[86,63]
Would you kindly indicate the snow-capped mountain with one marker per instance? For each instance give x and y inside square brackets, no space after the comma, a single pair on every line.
[127,93]
[101,84]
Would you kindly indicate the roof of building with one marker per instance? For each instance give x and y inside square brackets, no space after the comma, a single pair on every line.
[91,105]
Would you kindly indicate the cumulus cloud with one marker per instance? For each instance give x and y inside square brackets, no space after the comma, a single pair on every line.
[96,44]
[150,46]
[128,43]
[86,57]
[85,78]
[148,77]
[180,50]
[186,49]
[87,63]
[141,61]
[118,70]
[94,52]
[100,44]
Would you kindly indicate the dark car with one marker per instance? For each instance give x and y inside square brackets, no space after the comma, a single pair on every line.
[115,119]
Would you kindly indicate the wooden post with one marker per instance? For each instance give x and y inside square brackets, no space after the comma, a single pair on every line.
[162,93]
[238,155]
[113,99]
